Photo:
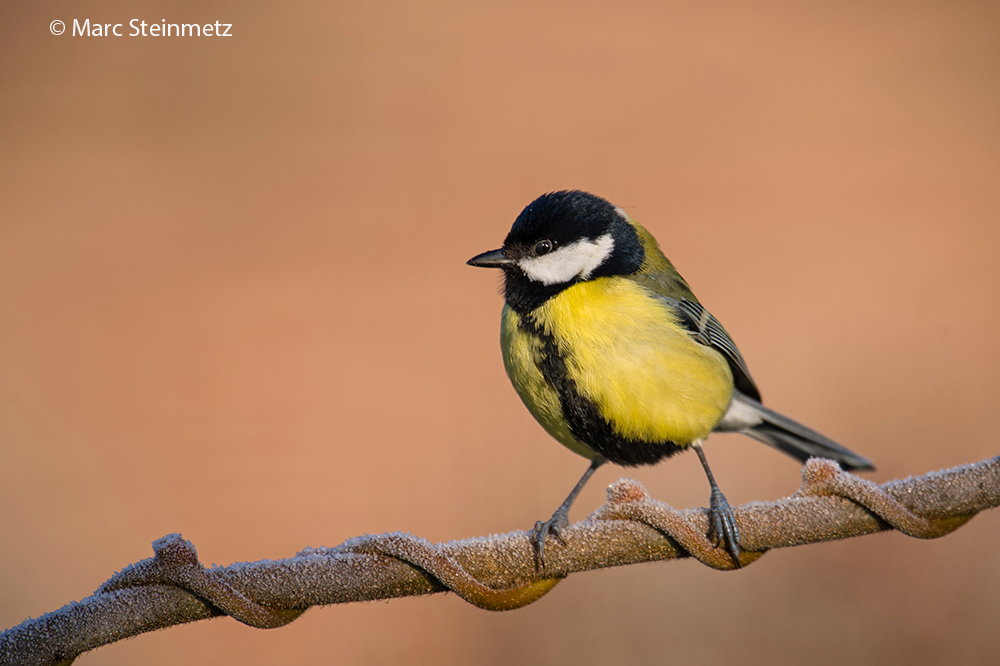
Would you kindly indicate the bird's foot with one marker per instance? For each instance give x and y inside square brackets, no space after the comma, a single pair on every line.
[722,526]
[553,526]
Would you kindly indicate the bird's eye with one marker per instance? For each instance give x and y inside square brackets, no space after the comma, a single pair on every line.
[543,247]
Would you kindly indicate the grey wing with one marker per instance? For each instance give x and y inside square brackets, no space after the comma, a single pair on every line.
[709,332]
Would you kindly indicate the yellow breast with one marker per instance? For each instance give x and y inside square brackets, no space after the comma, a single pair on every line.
[626,352]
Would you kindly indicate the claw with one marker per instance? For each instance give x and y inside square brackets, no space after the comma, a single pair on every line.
[722,524]
[559,519]
[553,526]
[555,529]
[538,540]
[724,531]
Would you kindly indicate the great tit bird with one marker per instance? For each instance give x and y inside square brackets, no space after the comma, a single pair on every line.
[614,356]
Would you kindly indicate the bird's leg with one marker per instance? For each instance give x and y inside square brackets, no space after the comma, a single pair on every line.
[723,528]
[560,518]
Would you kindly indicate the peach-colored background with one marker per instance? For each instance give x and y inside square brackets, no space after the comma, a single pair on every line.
[233,304]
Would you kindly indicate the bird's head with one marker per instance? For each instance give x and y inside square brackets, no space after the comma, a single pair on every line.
[560,239]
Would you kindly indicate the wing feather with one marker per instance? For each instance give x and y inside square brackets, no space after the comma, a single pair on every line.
[709,332]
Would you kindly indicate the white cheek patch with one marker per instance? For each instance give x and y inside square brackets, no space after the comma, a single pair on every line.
[578,259]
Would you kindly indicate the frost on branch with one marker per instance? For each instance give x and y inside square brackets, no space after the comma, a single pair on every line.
[497,572]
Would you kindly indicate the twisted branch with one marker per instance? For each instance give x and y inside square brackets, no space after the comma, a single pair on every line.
[497,572]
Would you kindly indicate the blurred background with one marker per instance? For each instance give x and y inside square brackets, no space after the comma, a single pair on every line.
[234,304]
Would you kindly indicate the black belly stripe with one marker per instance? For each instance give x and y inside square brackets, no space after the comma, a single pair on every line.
[582,415]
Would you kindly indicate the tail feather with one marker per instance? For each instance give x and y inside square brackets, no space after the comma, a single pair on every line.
[774,429]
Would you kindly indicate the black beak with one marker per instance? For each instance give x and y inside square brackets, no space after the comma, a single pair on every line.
[491,259]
